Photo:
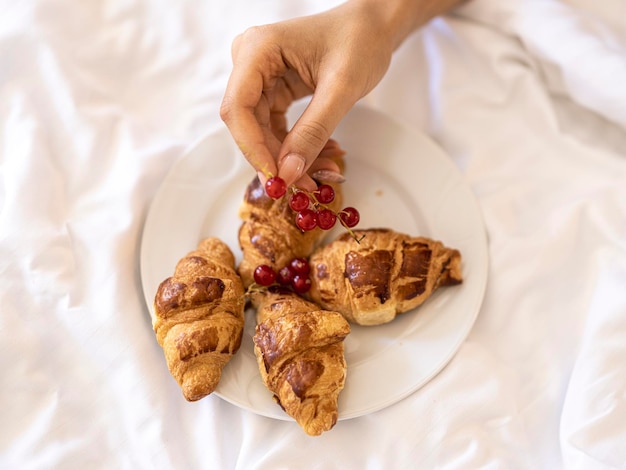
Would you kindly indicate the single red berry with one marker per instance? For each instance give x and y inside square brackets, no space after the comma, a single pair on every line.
[326,219]
[275,187]
[285,275]
[306,219]
[325,194]
[299,201]
[300,266]
[301,284]
[264,275]
[350,216]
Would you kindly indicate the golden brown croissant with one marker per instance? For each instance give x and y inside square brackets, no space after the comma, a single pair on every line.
[199,317]
[385,274]
[300,352]
[268,234]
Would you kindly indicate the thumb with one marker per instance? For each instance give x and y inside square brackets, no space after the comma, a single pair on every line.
[309,135]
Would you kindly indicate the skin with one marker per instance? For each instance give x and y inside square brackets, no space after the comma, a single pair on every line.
[337,56]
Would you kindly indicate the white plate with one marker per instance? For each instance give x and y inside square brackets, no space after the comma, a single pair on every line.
[397,178]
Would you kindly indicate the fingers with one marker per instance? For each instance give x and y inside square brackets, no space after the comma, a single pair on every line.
[311,132]
[267,77]
[248,134]
[324,169]
[244,108]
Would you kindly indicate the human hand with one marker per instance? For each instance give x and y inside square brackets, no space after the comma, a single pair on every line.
[337,56]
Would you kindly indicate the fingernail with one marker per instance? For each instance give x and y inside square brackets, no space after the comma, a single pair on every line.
[328,176]
[291,167]
[262,177]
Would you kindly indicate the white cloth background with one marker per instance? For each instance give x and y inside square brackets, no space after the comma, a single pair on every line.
[98,99]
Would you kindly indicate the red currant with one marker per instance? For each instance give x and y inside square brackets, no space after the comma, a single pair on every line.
[306,219]
[299,201]
[326,219]
[300,266]
[264,275]
[325,194]
[301,284]
[285,275]
[349,216]
[275,187]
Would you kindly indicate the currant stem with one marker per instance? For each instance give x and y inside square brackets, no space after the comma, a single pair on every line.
[351,232]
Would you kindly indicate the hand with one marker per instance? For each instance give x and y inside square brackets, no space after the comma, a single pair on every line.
[337,56]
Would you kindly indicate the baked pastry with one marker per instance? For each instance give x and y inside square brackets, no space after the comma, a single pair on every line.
[268,234]
[199,317]
[300,353]
[386,273]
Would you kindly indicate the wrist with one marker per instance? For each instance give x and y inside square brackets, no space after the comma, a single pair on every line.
[399,18]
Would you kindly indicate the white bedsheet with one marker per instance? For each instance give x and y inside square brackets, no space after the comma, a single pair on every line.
[99,98]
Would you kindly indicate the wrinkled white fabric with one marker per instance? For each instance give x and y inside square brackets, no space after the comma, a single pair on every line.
[98,100]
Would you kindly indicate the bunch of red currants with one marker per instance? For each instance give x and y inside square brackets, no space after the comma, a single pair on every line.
[311,207]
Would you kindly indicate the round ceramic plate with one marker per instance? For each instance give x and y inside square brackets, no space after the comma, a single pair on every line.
[397,178]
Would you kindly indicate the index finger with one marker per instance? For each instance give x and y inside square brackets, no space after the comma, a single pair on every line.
[243,94]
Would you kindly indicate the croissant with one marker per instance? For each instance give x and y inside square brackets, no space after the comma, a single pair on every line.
[268,234]
[300,353]
[199,317]
[386,273]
